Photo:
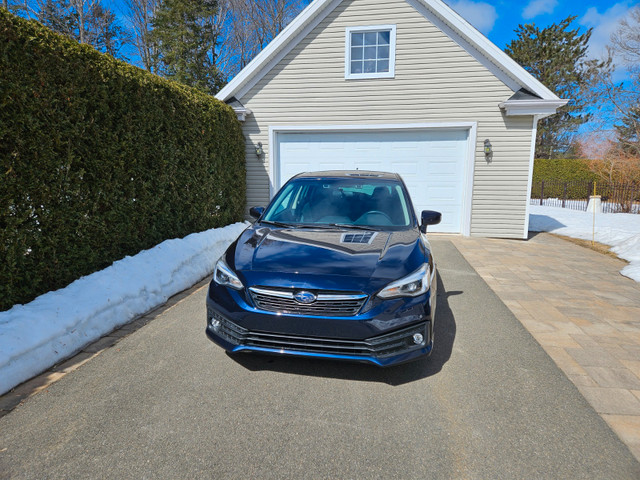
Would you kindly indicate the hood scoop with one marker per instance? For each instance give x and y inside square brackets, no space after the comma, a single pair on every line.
[361,237]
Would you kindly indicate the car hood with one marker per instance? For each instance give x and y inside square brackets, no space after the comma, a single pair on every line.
[344,259]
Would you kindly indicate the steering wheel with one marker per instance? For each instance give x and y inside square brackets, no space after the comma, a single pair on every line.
[366,216]
[378,212]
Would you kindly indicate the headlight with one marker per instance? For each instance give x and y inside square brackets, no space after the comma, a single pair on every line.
[223,275]
[412,285]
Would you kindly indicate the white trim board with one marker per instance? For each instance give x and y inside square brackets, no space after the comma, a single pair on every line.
[534,134]
[470,127]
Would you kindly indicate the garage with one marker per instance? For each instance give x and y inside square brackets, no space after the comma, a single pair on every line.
[434,100]
[434,163]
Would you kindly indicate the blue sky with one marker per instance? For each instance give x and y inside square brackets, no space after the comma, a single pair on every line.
[498,19]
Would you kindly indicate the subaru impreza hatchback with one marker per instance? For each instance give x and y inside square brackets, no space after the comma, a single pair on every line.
[337,266]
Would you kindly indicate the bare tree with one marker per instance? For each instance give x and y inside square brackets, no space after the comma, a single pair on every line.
[23,8]
[140,15]
[618,104]
[251,25]
[626,39]
[86,21]
[272,16]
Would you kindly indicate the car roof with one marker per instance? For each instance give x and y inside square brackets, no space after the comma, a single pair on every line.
[349,174]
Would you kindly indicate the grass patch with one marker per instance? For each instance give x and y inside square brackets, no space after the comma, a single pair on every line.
[595,246]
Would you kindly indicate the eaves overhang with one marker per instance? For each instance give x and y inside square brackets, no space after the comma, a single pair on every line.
[540,108]
[240,110]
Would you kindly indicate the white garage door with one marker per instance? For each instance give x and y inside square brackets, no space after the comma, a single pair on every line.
[432,163]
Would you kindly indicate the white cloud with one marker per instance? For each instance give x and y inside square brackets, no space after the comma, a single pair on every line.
[481,15]
[538,7]
[603,24]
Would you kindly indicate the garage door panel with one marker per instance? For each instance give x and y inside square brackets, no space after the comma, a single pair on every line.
[432,163]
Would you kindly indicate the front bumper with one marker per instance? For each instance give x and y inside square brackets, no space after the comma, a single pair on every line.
[389,333]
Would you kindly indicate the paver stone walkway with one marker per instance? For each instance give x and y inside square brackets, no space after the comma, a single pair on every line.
[583,312]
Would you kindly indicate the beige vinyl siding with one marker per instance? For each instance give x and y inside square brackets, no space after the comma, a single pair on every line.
[436,80]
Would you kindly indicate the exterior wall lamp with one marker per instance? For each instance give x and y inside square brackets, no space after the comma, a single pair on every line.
[488,151]
[259,151]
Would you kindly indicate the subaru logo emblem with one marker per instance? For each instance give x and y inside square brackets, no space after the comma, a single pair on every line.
[304,297]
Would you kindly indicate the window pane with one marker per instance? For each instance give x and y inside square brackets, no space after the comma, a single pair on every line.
[370,53]
[383,65]
[383,53]
[356,67]
[357,39]
[383,38]
[370,66]
[370,38]
[356,53]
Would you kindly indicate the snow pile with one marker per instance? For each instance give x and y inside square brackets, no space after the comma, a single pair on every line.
[37,335]
[618,230]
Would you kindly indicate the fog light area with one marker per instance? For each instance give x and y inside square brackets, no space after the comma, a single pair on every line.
[215,320]
[418,339]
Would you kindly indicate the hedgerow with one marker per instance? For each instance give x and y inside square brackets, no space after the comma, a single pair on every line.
[100,159]
[562,170]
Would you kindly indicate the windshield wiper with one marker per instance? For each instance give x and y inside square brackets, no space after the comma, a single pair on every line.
[277,224]
[350,225]
[297,225]
[323,226]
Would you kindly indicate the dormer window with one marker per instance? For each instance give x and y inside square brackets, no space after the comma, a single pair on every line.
[370,52]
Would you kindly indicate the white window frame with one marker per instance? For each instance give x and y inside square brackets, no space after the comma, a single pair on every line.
[392,52]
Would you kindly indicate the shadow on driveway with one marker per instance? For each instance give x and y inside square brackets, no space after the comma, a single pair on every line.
[444,336]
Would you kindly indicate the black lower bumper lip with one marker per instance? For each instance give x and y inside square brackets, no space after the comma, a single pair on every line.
[385,349]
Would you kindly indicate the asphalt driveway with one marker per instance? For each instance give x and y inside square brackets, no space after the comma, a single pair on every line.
[167,403]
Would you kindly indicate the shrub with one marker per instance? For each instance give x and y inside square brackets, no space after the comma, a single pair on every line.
[99,159]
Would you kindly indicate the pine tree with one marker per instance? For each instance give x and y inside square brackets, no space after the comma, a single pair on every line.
[185,33]
[557,56]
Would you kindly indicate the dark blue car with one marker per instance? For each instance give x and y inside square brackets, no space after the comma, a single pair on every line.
[337,266]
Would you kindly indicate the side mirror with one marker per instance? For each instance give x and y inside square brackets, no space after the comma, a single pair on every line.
[256,212]
[429,217]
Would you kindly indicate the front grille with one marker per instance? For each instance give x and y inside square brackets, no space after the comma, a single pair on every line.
[327,304]
[379,346]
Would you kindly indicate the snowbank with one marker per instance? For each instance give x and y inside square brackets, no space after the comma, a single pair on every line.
[35,336]
[618,230]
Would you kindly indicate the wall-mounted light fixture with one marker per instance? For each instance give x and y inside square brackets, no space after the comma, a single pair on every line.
[488,151]
[259,150]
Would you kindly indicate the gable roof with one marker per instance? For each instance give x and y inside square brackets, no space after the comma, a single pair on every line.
[436,11]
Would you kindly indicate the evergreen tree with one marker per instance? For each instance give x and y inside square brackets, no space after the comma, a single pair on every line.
[557,56]
[185,33]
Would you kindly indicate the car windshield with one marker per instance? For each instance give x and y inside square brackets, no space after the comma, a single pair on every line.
[357,202]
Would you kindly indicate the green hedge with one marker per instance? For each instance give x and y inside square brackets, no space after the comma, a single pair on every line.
[562,170]
[564,178]
[99,159]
